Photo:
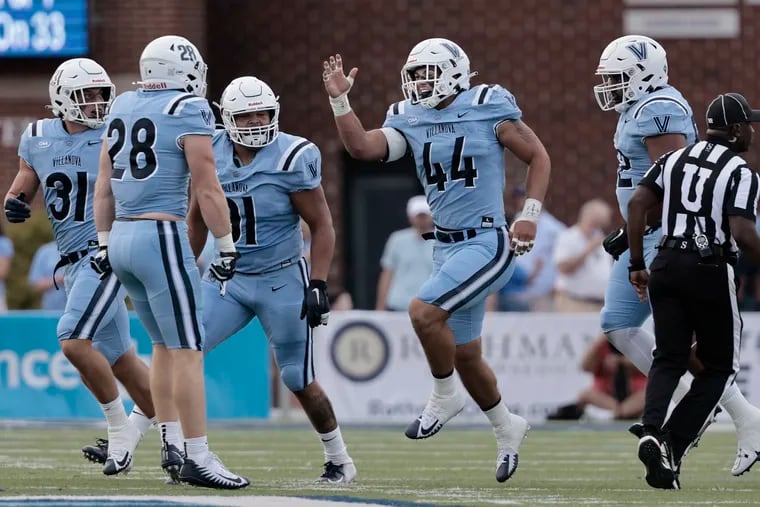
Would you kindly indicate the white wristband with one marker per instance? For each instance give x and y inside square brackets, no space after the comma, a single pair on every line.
[225,243]
[340,105]
[103,238]
[531,210]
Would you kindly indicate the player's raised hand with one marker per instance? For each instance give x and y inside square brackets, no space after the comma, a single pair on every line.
[336,82]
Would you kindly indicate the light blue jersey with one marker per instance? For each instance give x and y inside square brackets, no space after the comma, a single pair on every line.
[664,111]
[144,128]
[265,225]
[459,159]
[67,167]
[153,258]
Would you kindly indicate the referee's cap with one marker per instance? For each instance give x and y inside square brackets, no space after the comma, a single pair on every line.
[729,109]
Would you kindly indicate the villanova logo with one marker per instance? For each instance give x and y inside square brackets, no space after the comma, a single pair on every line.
[313,169]
[207,116]
[452,48]
[662,123]
[639,50]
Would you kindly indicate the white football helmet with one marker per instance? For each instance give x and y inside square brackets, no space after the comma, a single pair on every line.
[67,91]
[631,67]
[246,95]
[445,66]
[173,62]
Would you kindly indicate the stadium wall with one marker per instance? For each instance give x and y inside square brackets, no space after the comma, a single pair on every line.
[544,52]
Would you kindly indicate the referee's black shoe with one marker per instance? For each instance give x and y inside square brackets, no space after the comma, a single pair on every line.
[658,459]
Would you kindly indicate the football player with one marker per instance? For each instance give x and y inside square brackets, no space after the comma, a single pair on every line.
[156,137]
[457,135]
[61,153]
[271,180]
[654,119]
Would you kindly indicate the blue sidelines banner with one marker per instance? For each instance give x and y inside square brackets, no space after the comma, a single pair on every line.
[38,382]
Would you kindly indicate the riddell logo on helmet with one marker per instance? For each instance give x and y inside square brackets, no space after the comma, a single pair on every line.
[155,86]
[98,80]
[258,103]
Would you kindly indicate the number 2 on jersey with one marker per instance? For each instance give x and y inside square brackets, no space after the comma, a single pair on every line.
[435,173]
[623,165]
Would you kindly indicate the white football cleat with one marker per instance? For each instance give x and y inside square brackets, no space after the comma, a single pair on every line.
[438,411]
[509,446]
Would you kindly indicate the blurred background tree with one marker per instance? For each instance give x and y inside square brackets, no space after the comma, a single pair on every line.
[27,238]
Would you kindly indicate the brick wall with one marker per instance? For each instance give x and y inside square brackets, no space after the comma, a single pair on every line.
[544,52]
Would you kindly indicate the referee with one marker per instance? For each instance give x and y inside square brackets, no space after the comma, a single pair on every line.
[709,196]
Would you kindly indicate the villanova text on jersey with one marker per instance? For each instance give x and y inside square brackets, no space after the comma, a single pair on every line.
[459,159]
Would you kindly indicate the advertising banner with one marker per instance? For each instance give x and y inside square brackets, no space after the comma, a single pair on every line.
[38,382]
[375,372]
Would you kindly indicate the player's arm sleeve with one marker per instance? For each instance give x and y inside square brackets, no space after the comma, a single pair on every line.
[497,103]
[193,117]
[23,146]
[397,145]
[743,193]
[302,163]
[662,117]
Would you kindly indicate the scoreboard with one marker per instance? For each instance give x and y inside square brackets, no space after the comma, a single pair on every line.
[43,28]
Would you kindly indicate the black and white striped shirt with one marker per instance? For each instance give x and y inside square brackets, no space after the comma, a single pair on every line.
[700,186]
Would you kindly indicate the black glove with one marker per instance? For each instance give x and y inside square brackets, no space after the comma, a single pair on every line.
[616,242]
[222,268]
[100,263]
[16,210]
[316,307]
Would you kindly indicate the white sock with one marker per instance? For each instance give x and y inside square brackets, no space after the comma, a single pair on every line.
[499,417]
[445,386]
[171,433]
[197,448]
[335,449]
[635,344]
[116,416]
[737,406]
[140,420]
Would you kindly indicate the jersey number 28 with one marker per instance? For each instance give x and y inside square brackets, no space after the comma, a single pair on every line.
[142,158]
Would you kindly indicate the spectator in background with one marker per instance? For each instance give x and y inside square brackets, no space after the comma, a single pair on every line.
[584,267]
[618,387]
[537,290]
[407,260]
[6,256]
[41,277]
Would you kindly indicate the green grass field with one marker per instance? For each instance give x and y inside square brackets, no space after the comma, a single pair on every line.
[557,467]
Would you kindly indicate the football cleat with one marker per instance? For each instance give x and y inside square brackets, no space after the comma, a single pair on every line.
[748,451]
[97,453]
[172,460]
[118,462]
[344,473]
[658,460]
[438,411]
[211,473]
[509,446]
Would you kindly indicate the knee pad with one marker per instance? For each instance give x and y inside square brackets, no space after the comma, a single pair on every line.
[293,377]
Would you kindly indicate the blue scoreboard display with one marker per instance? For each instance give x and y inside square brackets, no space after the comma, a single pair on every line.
[43,28]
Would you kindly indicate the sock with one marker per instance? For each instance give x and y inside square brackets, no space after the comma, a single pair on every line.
[197,448]
[171,433]
[335,449]
[116,416]
[498,415]
[445,386]
[737,406]
[635,344]
[140,420]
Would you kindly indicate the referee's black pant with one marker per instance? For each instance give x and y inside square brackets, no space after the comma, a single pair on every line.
[691,296]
